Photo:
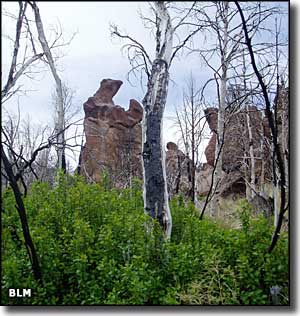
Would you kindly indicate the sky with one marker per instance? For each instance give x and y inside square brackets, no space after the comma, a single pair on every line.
[92,56]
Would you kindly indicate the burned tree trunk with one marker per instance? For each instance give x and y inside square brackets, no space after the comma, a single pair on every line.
[155,193]
[23,218]
[277,155]
[155,185]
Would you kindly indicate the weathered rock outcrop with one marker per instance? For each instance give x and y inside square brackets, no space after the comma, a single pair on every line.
[113,137]
[262,205]
[203,179]
[178,169]
[114,143]
[235,152]
[236,141]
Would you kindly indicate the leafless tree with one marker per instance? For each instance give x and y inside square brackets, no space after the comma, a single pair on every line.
[157,72]
[14,171]
[277,153]
[27,53]
[70,110]
[59,89]
[23,217]
[20,65]
[227,48]
[19,147]
[29,151]
[190,121]
[212,188]
[225,58]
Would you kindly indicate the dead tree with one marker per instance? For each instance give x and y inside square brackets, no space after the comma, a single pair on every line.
[27,160]
[277,153]
[250,135]
[69,112]
[157,71]
[14,171]
[19,64]
[59,90]
[23,217]
[16,160]
[226,49]
[227,66]
[189,122]
[155,194]
[212,187]
[20,138]
[224,41]
[26,54]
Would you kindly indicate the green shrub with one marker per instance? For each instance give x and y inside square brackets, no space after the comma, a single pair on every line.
[96,246]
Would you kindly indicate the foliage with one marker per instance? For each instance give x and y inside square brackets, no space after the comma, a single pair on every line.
[96,246]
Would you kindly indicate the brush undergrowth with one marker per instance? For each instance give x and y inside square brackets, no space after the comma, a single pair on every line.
[96,246]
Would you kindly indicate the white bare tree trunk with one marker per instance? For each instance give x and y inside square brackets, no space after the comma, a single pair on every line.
[221,111]
[155,193]
[251,152]
[262,156]
[284,133]
[220,135]
[59,90]
[275,189]
[251,189]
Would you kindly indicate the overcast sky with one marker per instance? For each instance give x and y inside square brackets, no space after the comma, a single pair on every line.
[93,56]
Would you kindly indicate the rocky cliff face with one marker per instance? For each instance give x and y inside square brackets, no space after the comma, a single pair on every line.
[113,137]
[236,149]
[236,141]
[178,169]
[114,143]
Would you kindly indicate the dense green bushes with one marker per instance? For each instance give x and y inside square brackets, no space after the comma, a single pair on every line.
[96,246]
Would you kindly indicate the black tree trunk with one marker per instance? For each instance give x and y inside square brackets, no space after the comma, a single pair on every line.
[23,218]
[155,187]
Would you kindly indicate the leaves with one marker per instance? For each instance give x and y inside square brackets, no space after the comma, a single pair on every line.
[96,246]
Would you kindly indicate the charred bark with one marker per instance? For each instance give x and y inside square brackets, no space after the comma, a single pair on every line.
[272,124]
[155,186]
[23,218]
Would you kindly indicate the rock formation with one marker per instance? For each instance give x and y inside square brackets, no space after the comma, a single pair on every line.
[178,169]
[203,179]
[235,150]
[114,143]
[236,137]
[113,137]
